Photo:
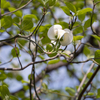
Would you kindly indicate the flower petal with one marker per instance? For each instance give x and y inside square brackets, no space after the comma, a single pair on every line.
[67,38]
[60,33]
[53,31]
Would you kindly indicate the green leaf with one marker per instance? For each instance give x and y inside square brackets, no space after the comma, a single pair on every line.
[13,97]
[2,77]
[5,4]
[98,93]
[13,52]
[27,24]
[81,17]
[66,10]
[53,61]
[52,54]
[4,91]
[19,77]
[83,11]
[17,13]
[75,38]
[71,91]
[90,93]
[96,37]
[78,30]
[51,2]
[16,20]
[64,24]
[89,75]
[86,51]
[6,22]
[97,55]
[71,7]
[44,86]
[49,47]
[26,87]
[23,81]
[87,24]
[30,16]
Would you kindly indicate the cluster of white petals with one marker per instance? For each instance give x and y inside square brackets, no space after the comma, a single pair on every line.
[56,32]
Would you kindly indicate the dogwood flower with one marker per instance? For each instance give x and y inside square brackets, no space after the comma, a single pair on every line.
[56,32]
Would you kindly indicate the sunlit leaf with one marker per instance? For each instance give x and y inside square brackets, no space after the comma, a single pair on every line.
[66,10]
[96,37]
[17,13]
[53,61]
[83,11]
[79,37]
[6,22]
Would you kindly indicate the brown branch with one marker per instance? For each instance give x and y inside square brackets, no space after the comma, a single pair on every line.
[88,83]
[19,69]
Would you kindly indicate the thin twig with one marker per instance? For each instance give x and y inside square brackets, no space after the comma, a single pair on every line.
[17,54]
[6,62]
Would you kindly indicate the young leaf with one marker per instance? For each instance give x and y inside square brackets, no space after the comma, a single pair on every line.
[6,22]
[78,30]
[75,38]
[4,4]
[87,24]
[96,37]
[89,74]
[30,16]
[49,47]
[66,10]
[90,93]
[23,81]
[83,11]
[71,91]
[2,77]
[4,91]
[52,54]
[13,52]
[27,24]
[44,86]
[53,61]
[97,55]
[17,13]
[81,17]
[71,7]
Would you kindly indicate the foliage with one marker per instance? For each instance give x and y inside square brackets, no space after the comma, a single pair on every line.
[25,44]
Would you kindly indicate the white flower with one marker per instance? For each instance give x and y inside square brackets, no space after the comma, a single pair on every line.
[65,36]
